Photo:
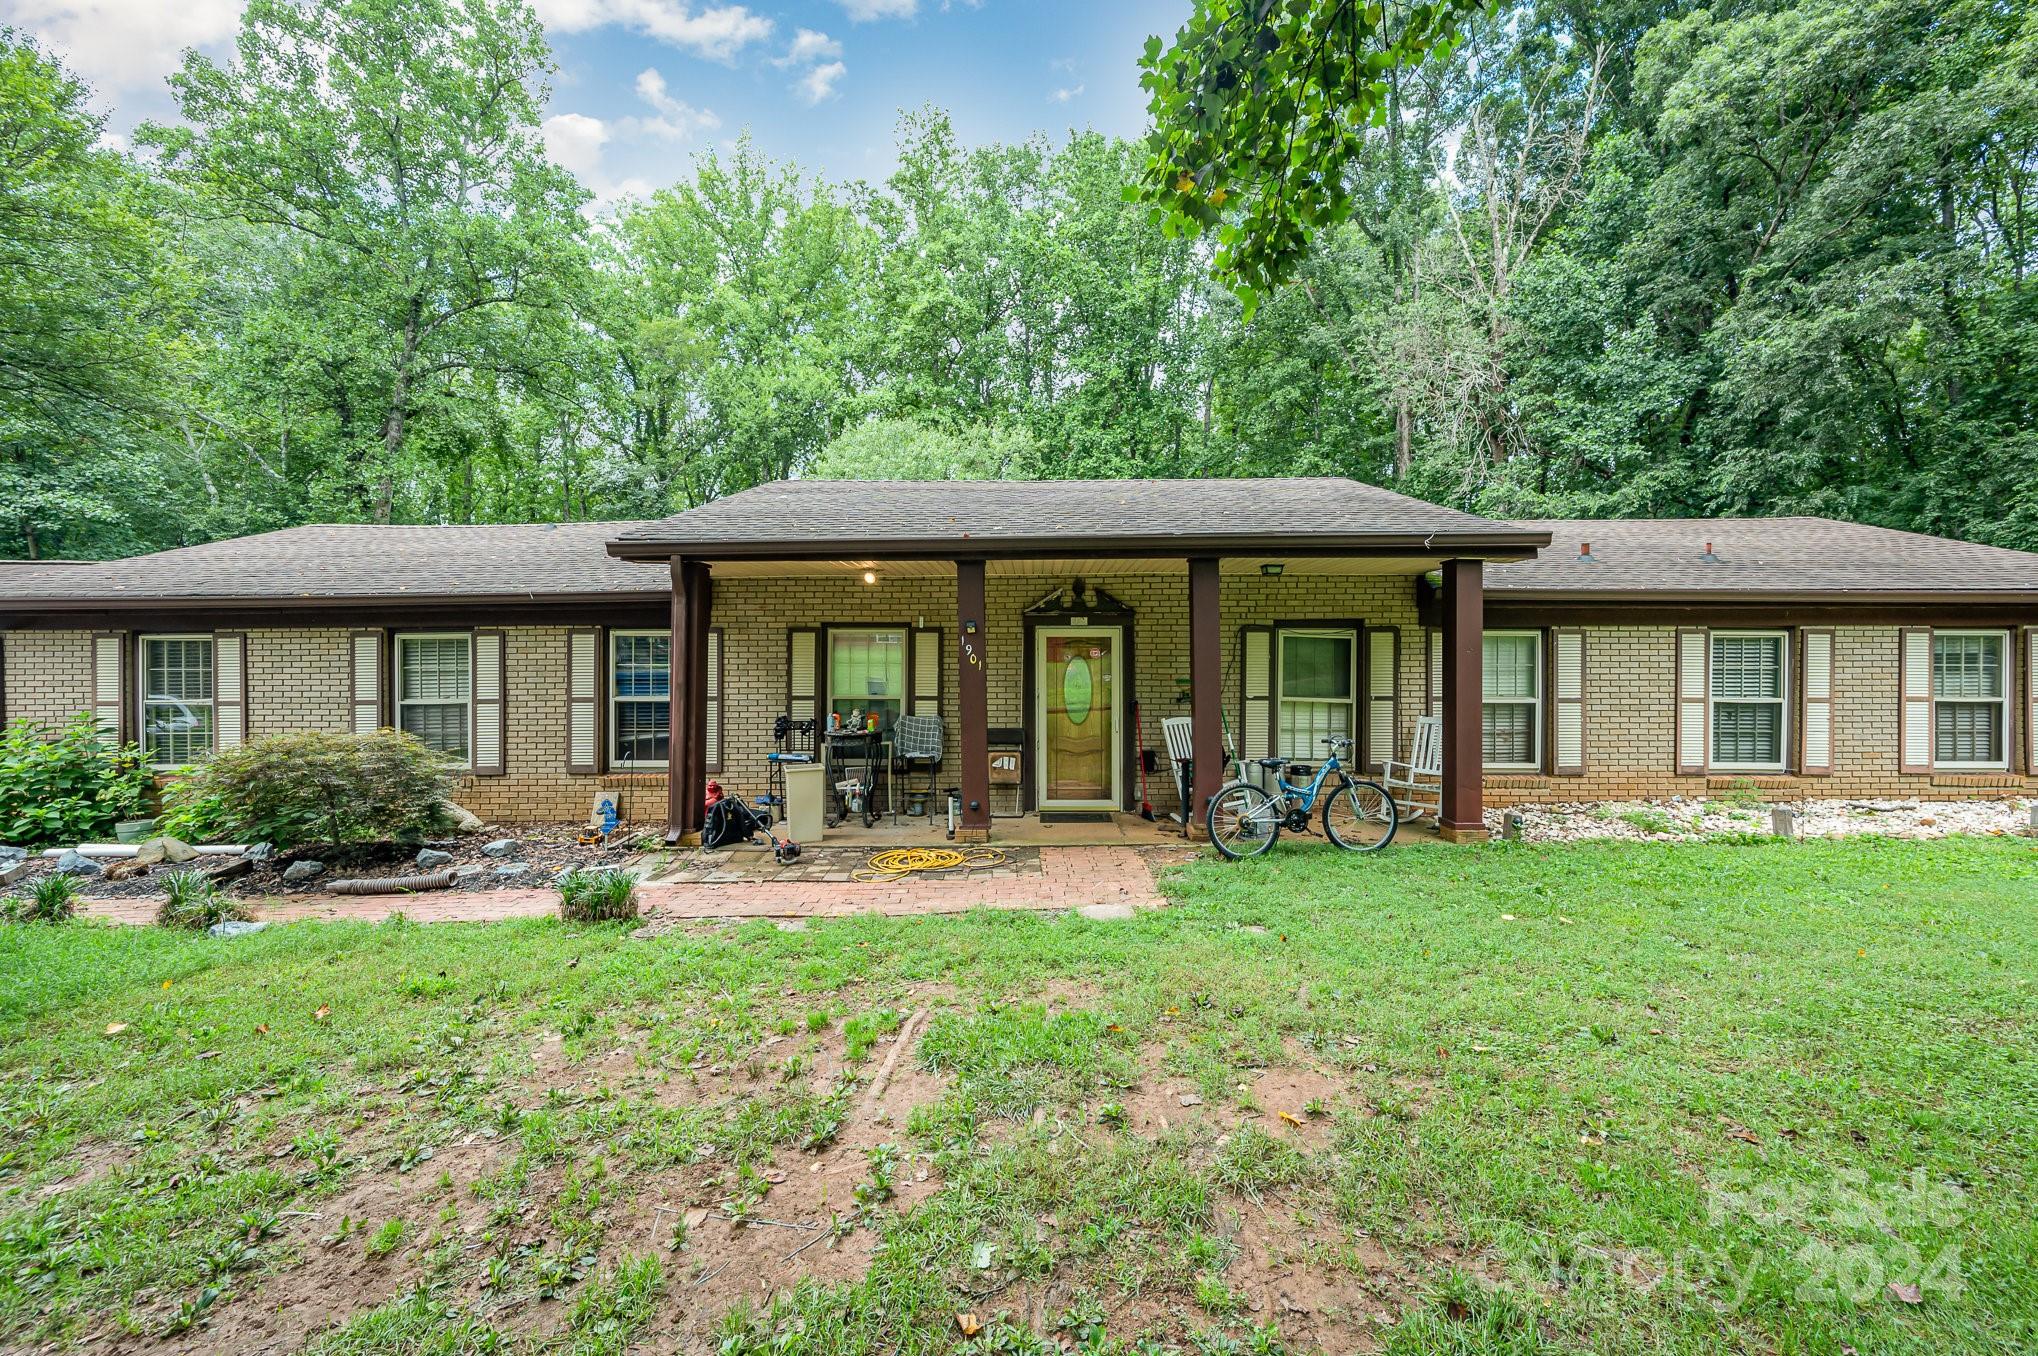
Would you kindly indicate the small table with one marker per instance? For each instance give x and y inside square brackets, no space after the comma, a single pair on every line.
[862,752]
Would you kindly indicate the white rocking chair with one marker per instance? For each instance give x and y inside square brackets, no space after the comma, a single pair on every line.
[1178,731]
[1417,784]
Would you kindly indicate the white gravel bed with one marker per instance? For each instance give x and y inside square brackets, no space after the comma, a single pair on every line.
[1683,818]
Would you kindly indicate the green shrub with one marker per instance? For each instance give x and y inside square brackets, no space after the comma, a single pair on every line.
[196,815]
[65,786]
[597,896]
[294,789]
[191,901]
[53,899]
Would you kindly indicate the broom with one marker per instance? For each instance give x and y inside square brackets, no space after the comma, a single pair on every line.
[1139,728]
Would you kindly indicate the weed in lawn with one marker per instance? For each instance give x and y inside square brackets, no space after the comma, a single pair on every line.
[386,1239]
[192,902]
[52,899]
[587,896]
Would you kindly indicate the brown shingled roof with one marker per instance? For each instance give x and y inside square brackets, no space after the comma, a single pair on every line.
[507,561]
[1794,557]
[792,518]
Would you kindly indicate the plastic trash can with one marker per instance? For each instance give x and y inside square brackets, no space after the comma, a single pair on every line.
[805,796]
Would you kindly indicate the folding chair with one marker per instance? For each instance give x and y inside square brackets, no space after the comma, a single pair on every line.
[916,753]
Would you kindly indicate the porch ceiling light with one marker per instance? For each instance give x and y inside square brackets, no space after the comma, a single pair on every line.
[870,576]
[1270,568]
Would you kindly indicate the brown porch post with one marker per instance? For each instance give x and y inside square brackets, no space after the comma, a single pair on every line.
[1463,816]
[972,705]
[682,794]
[1206,682]
[702,608]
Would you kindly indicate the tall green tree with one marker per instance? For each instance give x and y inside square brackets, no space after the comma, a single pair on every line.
[393,144]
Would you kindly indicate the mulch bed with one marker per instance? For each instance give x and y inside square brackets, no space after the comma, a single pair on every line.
[547,849]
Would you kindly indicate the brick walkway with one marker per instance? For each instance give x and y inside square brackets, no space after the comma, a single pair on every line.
[1111,881]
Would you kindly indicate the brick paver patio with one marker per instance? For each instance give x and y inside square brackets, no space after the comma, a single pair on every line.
[1107,879]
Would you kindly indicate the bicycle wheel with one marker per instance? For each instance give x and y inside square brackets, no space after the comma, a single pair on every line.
[1361,817]
[1243,821]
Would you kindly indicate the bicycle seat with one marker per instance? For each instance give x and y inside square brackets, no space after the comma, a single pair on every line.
[1273,762]
[789,757]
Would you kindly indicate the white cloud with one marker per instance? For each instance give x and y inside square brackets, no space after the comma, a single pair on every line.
[677,120]
[809,46]
[574,141]
[863,11]
[718,32]
[125,44]
[1062,96]
[819,83]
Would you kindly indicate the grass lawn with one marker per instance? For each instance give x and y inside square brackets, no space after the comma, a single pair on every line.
[1617,1098]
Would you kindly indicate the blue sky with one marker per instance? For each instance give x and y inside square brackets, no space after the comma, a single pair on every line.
[644,84]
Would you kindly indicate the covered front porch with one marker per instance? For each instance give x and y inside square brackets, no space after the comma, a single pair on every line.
[1072,645]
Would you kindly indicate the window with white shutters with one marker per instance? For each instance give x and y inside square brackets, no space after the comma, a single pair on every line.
[1317,672]
[1970,706]
[1749,677]
[435,691]
[177,695]
[640,698]
[1511,700]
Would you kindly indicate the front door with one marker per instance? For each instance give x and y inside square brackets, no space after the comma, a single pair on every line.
[1078,716]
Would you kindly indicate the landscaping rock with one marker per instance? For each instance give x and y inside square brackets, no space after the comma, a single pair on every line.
[12,869]
[431,859]
[510,869]
[232,869]
[12,854]
[71,864]
[260,852]
[157,851]
[234,927]
[469,871]
[298,872]
[501,847]
[464,821]
[125,869]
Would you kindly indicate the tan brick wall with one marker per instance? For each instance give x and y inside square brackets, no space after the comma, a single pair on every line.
[48,675]
[298,680]
[1630,687]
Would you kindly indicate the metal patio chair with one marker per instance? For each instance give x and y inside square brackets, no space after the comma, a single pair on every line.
[916,752]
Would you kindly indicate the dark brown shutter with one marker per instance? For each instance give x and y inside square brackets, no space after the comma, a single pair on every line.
[584,701]
[367,662]
[1380,669]
[803,676]
[1914,685]
[229,690]
[1256,692]
[1815,702]
[491,652]
[712,755]
[1693,688]
[1567,702]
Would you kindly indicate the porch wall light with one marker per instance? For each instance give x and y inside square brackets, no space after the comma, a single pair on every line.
[870,576]
[1270,568]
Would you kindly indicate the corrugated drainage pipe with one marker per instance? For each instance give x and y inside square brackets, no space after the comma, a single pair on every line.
[393,885]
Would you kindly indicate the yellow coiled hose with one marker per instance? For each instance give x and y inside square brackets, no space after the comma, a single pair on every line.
[898,863]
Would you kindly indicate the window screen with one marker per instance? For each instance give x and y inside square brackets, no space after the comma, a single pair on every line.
[1316,676]
[1510,679]
[1968,717]
[640,676]
[1747,700]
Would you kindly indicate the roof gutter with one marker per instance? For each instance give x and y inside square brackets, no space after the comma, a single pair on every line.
[1498,546]
[1498,592]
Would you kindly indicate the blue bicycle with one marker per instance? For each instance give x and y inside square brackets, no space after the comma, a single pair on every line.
[1359,816]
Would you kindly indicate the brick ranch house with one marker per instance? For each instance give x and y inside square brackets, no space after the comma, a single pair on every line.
[1062,621]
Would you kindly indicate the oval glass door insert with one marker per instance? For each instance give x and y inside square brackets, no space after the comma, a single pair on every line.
[1078,689]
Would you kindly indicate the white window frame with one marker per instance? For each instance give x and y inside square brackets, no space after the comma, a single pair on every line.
[141,682]
[1534,704]
[863,699]
[617,701]
[1352,704]
[1782,701]
[2004,668]
[403,638]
